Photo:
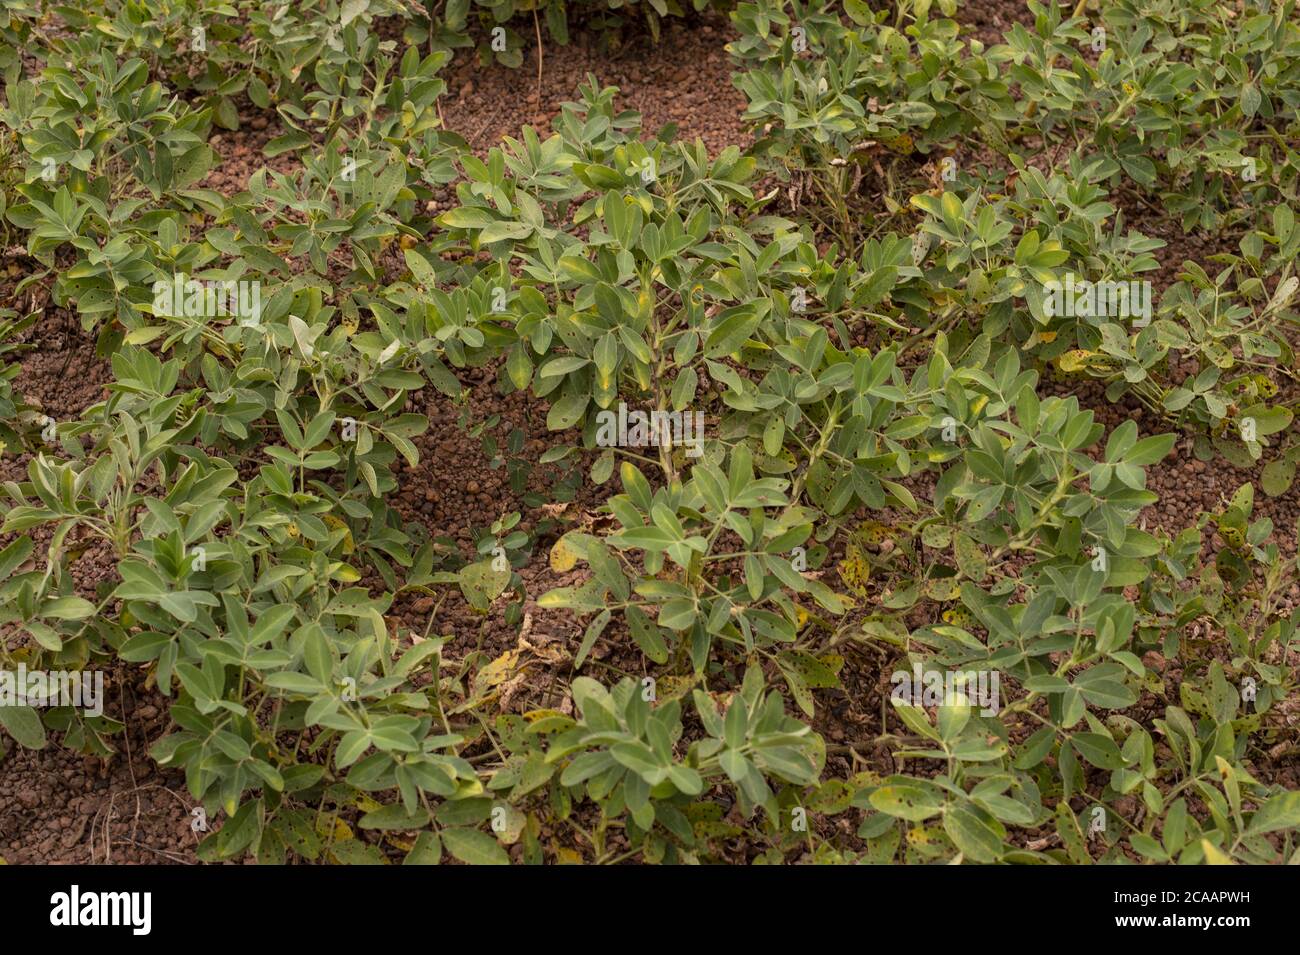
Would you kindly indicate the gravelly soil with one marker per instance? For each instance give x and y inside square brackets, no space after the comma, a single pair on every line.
[686,80]
[58,806]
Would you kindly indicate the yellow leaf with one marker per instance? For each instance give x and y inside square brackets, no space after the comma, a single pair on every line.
[674,687]
[333,830]
[854,569]
[959,617]
[645,304]
[1214,855]
[344,573]
[873,532]
[919,836]
[901,143]
[1074,361]
[499,670]
[943,588]
[563,557]
[1234,537]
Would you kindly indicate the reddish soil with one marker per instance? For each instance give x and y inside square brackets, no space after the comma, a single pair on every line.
[685,79]
[60,807]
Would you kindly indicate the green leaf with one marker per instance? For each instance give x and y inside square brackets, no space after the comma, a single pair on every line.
[1277,477]
[427,850]
[976,833]
[735,723]
[1097,749]
[729,334]
[647,635]
[394,817]
[24,725]
[565,413]
[13,556]
[286,143]
[474,847]
[594,630]
[906,799]
[1279,812]
[481,584]
[519,366]
[500,231]
[1150,450]
[639,758]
